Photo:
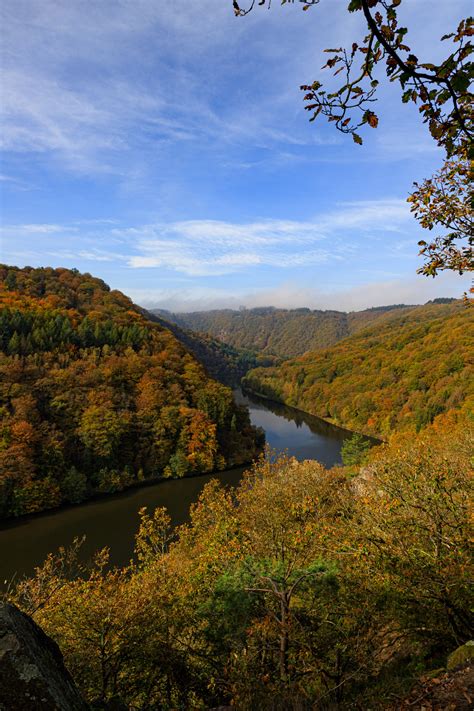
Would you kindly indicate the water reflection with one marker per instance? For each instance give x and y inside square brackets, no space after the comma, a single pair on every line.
[303,436]
[113,521]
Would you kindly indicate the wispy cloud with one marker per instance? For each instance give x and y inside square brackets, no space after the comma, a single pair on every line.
[70,92]
[37,229]
[200,248]
[121,77]
[212,247]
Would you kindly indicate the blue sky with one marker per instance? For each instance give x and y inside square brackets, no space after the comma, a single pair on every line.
[163,147]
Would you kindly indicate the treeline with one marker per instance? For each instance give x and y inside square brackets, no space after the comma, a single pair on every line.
[283,333]
[305,588]
[26,332]
[398,374]
[94,397]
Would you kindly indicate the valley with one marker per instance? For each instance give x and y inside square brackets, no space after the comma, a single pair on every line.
[236,356]
[133,513]
[112,520]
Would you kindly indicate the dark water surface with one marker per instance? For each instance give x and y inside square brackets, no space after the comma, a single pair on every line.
[302,435]
[113,521]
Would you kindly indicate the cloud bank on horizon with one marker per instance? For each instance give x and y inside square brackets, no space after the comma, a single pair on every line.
[169,153]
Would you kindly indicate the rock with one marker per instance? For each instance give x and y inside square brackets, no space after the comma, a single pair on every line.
[32,672]
[461,655]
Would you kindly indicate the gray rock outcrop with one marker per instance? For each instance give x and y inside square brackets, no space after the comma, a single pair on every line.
[32,672]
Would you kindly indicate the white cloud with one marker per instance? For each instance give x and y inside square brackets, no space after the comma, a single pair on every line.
[38,229]
[199,248]
[213,247]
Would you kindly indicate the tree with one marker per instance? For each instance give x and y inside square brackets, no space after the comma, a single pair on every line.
[101,428]
[441,92]
[446,200]
[153,536]
[414,528]
[354,449]
[74,486]
[284,558]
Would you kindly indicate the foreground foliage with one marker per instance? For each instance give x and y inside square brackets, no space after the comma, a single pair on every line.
[397,375]
[304,587]
[94,397]
[445,201]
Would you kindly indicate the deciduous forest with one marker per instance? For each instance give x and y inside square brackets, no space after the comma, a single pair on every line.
[397,374]
[158,142]
[96,398]
[304,589]
[278,332]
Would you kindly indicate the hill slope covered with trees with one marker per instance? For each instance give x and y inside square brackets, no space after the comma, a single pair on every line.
[398,374]
[94,397]
[279,332]
[303,589]
[222,361]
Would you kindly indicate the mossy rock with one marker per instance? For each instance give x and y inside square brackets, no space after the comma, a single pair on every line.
[461,655]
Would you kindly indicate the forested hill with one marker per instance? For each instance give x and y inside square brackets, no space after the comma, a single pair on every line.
[279,332]
[95,397]
[397,374]
[222,361]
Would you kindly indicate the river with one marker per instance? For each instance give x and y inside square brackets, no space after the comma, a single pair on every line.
[112,521]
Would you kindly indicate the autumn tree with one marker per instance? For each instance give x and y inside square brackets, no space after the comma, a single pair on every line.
[414,529]
[446,200]
[353,449]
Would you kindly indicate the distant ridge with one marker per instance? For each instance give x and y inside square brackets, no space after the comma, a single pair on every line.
[283,333]
[222,361]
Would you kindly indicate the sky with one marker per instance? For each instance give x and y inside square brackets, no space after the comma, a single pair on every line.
[163,147]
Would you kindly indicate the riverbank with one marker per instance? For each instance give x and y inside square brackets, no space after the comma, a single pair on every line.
[109,495]
[111,520]
[328,420]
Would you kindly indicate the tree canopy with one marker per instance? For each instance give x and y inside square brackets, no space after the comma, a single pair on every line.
[303,588]
[94,397]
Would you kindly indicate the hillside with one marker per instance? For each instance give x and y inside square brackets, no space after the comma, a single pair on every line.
[280,332]
[94,397]
[397,374]
[304,588]
[222,362]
